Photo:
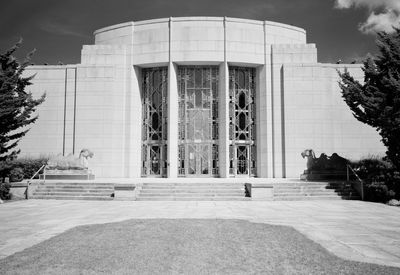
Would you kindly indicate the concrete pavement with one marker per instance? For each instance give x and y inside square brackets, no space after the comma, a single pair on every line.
[352,230]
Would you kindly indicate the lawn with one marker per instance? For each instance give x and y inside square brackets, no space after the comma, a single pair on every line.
[162,246]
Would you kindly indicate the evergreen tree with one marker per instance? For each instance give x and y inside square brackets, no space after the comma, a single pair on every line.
[16,105]
[376,102]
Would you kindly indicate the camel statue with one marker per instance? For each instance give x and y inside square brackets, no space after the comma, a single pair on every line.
[70,162]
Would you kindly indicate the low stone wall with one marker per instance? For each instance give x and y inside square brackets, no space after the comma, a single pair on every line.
[125,192]
[260,191]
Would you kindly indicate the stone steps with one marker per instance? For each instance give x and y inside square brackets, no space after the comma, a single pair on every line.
[74,190]
[305,197]
[198,198]
[192,191]
[309,190]
[46,197]
[77,189]
[82,193]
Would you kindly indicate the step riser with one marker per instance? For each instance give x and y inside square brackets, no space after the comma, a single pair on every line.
[69,194]
[78,186]
[304,198]
[71,198]
[75,191]
[191,191]
[191,195]
[192,186]
[192,199]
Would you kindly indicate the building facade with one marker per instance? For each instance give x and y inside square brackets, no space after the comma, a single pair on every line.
[197,97]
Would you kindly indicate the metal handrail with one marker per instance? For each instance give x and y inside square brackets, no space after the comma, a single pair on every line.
[358,178]
[30,180]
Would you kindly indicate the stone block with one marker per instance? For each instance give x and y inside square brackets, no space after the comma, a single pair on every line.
[125,192]
[260,191]
[18,190]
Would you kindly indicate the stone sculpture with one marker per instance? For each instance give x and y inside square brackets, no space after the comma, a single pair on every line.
[70,162]
[324,167]
[69,167]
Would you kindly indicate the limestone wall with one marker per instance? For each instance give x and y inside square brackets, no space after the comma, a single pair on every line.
[97,104]
[316,116]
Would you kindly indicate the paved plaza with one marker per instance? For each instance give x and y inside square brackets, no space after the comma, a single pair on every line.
[353,230]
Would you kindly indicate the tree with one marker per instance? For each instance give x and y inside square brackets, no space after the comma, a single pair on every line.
[16,105]
[376,102]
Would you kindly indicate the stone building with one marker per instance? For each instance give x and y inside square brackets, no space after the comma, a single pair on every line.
[197,97]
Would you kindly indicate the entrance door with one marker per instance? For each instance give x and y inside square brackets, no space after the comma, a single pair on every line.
[198,121]
[242,160]
[242,151]
[199,159]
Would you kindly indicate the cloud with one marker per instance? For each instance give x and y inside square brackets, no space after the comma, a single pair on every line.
[383,14]
[60,29]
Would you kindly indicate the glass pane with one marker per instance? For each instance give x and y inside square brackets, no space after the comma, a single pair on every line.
[199,119]
[192,160]
[198,99]
[241,80]
[153,126]
[242,119]
[156,100]
[242,100]
[198,78]
[154,121]
[204,160]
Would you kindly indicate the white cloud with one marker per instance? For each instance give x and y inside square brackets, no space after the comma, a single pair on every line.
[60,29]
[384,14]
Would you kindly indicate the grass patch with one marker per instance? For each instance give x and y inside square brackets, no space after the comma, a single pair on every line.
[161,246]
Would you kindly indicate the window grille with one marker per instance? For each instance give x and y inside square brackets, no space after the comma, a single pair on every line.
[198,121]
[154,127]
[242,150]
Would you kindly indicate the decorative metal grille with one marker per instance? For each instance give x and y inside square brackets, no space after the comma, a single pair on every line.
[198,121]
[154,127]
[242,150]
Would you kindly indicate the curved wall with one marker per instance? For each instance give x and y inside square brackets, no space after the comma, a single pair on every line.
[98,104]
[198,39]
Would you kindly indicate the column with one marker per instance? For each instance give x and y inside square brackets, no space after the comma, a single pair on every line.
[69,111]
[173,113]
[223,98]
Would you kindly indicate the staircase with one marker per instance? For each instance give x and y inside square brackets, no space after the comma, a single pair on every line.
[192,191]
[79,190]
[313,190]
[196,190]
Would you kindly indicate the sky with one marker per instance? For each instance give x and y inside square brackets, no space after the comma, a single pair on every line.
[341,29]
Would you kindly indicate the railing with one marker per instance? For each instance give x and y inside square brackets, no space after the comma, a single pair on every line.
[30,180]
[349,168]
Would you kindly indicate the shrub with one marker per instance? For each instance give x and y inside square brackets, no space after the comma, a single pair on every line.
[5,191]
[382,181]
[378,192]
[28,165]
[16,174]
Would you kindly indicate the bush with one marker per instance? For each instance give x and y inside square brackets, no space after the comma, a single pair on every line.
[29,166]
[382,181]
[5,191]
[16,174]
[378,192]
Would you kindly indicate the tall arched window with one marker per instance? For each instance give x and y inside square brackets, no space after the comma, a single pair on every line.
[154,127]
[242,148]
[198,121]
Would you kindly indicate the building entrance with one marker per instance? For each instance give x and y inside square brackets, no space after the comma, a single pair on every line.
[154,134]
[242,148]
[198,121]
